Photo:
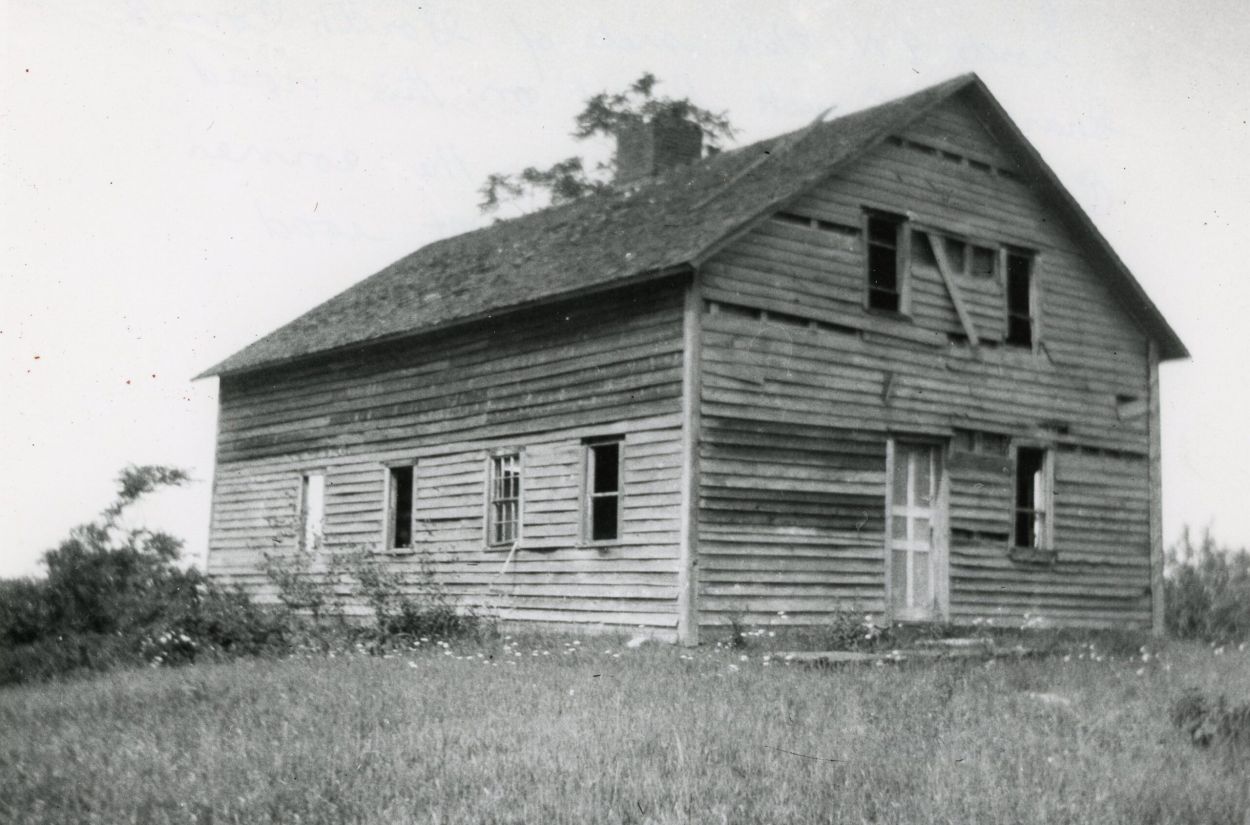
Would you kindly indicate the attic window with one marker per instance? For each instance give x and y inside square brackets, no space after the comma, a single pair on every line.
[1020,315]
[885,282]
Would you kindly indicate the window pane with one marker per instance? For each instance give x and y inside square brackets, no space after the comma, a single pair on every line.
[900,527]
[899,579]
[984,262]
[1025,537]
[883,231]
[603,517]
[920,580]
[882,268]
[607,468]
[901,457]
[924,478]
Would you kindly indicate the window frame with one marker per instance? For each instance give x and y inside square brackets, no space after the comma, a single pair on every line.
[302,536]
[490,521]
[1034,296]
[390,501]
[1044,547]
[902,260]
[588,494]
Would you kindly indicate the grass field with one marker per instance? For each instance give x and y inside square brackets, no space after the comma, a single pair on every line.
[557,730]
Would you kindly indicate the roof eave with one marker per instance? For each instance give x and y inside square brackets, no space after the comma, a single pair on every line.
[644,276]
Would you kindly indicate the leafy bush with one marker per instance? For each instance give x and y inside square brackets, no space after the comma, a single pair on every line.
[114,595]
[402,608]
[1207,590]
[1212,722]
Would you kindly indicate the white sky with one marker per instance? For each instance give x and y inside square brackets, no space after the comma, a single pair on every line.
[177,179]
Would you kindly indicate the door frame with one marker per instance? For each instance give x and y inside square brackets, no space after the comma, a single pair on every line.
[940,551]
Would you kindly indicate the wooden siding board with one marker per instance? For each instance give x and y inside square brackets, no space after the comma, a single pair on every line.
[796,419]
[445,402]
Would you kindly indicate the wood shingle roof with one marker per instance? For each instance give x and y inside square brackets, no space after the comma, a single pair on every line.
[629,234]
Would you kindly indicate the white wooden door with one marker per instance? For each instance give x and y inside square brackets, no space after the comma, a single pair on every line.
[917,563]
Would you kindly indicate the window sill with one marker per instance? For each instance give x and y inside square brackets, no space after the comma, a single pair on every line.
[395,551]
[892,314]
[1033,555]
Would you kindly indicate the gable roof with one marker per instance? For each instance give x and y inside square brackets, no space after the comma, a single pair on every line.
[632,233]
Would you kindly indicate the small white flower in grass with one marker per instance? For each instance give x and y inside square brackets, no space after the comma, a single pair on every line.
[412,664]
[570,691]
[1068,658]
[1219,651]
[1141,671]
[733,667]
[743,658]
[772,633]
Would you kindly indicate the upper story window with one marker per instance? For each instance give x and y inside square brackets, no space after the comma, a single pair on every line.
[885,262]
[1021,309]
[503,508]
[401,506]
[604,470]
[312,508]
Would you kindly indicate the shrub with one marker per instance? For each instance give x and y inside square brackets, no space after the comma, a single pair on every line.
[1207,590]
[1209,722]
[115,595]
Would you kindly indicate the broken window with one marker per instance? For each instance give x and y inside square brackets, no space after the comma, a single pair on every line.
[1033,496]
[1020,299]
[401,506]
[504,508]
[885,283]
[603,491]
[312,506]
[984,262]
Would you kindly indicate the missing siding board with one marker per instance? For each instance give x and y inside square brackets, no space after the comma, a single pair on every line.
[783,318]
[980,442]
[795,219]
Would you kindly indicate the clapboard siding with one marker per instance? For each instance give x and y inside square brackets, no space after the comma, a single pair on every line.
[801,388]
[540,382]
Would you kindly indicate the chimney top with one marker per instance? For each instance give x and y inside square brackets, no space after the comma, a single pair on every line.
[645,148]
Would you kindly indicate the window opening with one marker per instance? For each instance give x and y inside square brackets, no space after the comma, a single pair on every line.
[402,506]
[884,287]
[1032,498]
[603,491]
[505,499]
[1019,300]
[312,510]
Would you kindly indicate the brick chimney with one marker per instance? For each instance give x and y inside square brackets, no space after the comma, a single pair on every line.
[645,148]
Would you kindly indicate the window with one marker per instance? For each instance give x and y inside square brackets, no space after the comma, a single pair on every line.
[984,262]
[312,507]
[885,283]
[1033,497]
[1019,299]
[401,491]
[503,514]
[603,491]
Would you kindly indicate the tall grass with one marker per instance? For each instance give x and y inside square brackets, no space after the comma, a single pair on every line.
[553,730]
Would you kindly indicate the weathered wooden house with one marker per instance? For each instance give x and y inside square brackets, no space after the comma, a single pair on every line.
[884,363]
